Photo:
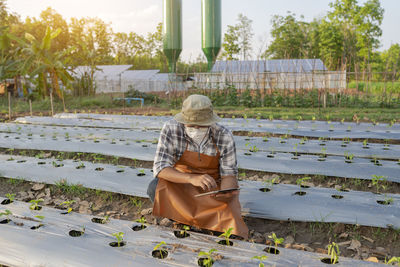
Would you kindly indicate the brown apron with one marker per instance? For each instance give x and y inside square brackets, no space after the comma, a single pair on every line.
[177,202]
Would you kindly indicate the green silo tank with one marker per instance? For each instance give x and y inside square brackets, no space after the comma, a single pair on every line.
[172,32]
[211,30]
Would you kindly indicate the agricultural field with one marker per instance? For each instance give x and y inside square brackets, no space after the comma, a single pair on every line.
[313,192]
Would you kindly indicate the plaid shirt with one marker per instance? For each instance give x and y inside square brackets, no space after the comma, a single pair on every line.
[173,140]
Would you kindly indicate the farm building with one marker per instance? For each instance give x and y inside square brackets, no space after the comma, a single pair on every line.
[272,74]
[119,79]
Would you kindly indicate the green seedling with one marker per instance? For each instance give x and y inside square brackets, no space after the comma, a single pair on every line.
[348,157]
[277,240]
[137,202]
[342,121]
[271,117]
[299,118]
[260,260]
[313,118]
[68,204]
[207,257]
[227,234]
[11,197]
[333,252]
[265,139]
[40,217]
[365,143]
[6,213]
[119,236]
[323,152]
[303,140]
[142,220]
[295,149]
[393,260]
[160,247]
[254,149]
[35,203]
[269,182]
[378,181]
[301,181]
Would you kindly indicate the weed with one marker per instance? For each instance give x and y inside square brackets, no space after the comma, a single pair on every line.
[137,202]
[393,260]
[301,181]
[378,181]
[277,240]
[68,204]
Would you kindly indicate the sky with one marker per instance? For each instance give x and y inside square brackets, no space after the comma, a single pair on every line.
[143,16]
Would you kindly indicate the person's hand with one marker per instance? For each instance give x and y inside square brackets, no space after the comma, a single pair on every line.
[227,183]
[205,181]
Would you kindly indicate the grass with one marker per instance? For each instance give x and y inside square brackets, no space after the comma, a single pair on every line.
[93,103]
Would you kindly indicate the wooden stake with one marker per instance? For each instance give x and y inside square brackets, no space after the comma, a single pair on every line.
[9,106]
[51,103]
[30,107]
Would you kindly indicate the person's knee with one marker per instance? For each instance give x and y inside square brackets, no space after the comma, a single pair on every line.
[151,189]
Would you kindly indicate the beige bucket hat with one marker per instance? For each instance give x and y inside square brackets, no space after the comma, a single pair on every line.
[197,110]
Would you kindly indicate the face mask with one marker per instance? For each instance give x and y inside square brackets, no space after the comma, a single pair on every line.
[197,134]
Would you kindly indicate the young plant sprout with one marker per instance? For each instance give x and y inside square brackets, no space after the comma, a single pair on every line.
[303,140]
[6,213]
[260,259]
[206,258]
[295,152]
[35,204]
[271,117]
[365,144]
[11,197]
[348,157]
[226,234]
[68,204]
[393,260]
[254,149]
[313,118]
[142,222]
[378,181]
[184,230]
[159,251]
[333,252]
[277,240]
[301,181]
[299,118]
[342,121]
[120,238]
[265,139]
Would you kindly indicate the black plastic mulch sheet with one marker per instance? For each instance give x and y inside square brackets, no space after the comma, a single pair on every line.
[280,203]
[51,244]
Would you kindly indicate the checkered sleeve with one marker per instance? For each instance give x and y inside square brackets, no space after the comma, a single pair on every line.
[165,151]
[228,161]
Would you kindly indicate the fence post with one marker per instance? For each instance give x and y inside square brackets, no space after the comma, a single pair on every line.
[9,106]
[51,102]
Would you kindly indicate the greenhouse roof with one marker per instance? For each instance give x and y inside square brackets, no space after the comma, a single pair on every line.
[274,65]
[109,72]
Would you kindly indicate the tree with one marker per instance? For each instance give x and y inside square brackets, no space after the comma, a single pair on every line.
[231,44]
[237,39]
[245,34]
[290,38]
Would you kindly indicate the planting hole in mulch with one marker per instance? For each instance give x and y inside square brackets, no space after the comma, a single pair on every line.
[5,221]
[328,261]
[223,242]
[304,186]
[159,253]
[21,161]
[337,196]
[270,156]
[201,263]
[295,158]
[36,227]
[141,174]
[144,145]
[119,171]
[179,234]
[58,165]
[272,250]
[41,163]
[38,208]
[321,159]
[348,161]
[6,201]
[247,154]
[265,189]
[99,169]
[384,202]
[75,233]
[80,167]
[115,244]
[343,190]
[97,141]
[139,227]
[10,159]
[300,193]
[343,145]
[365,147]
[98,220]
